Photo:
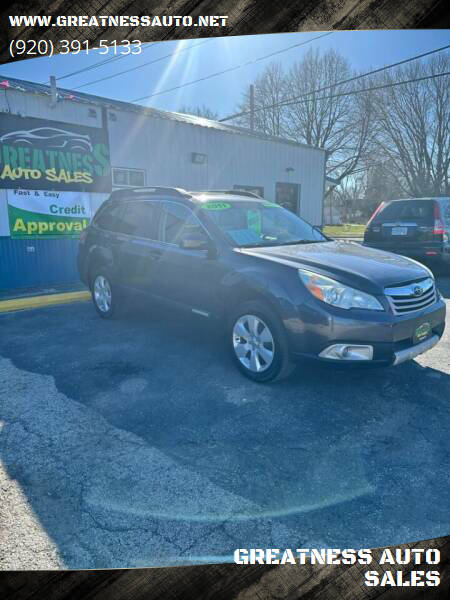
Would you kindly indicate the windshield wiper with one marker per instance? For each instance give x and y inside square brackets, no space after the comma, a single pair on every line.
[273,244]
[294,242]
[281,244]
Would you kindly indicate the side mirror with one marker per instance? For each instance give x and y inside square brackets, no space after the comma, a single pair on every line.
[194,241]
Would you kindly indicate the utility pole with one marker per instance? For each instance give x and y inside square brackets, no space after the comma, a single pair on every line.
[54,94]
[252,107]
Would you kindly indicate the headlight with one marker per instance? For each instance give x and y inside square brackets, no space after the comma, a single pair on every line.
[337,294]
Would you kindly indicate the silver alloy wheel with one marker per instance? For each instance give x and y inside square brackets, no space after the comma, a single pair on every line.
[253,343]
[102,293]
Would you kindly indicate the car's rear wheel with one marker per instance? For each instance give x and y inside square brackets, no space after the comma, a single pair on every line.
[103,294]
[258,343]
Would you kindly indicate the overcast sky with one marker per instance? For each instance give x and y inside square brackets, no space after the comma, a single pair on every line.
[200,58]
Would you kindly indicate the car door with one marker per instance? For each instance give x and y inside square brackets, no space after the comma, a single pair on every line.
[185,276]
[138,250]
[106,245]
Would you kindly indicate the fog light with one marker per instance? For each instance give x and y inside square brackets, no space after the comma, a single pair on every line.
[347,352]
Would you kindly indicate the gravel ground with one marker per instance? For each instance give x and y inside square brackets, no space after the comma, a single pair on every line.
[134,442]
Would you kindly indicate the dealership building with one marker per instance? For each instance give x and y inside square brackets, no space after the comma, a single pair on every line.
[62,152]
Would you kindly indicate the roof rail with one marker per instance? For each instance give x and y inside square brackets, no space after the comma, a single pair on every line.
[231,192]
[153,190]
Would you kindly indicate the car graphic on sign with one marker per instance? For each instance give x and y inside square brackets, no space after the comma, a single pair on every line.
[51,137]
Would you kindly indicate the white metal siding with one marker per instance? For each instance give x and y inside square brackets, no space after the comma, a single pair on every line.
[163,148]
[36,105]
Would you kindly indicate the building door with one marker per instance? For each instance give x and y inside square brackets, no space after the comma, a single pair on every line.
[287,195]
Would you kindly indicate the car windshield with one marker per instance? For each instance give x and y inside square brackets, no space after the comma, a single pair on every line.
[253,223]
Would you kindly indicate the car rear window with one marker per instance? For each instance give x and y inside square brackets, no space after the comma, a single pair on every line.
[407,210]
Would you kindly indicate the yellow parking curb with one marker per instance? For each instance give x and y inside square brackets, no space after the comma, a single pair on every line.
[39,301]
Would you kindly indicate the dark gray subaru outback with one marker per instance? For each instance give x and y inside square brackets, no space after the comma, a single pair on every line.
[282,289]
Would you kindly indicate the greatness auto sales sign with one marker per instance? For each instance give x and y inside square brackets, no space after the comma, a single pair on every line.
[36,213]
[38,154]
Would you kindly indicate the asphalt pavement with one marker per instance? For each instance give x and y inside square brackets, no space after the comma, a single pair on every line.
[135,442]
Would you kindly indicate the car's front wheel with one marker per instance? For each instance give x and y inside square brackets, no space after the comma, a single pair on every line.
[258,343]
[102,294]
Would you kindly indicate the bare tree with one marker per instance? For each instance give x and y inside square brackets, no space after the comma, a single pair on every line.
[288,104]
[380,185]
[350,198]
[405,128]
[270,89]
[329,119]
[200,111]
[413,126]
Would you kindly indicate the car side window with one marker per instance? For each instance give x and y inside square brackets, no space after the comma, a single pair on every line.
[146,215]
[176,220]
[139,219]
[107,217]
[126,221]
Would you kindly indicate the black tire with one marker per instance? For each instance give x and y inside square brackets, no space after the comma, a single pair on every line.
[281,365]
[98,275]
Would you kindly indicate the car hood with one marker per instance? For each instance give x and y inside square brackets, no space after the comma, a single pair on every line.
[351,263]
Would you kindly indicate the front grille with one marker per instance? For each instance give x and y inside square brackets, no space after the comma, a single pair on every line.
[414,296]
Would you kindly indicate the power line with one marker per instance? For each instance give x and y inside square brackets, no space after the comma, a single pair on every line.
[289,101]
[377,87]
[99,64]
[249,62]
[143,65]
[90,68]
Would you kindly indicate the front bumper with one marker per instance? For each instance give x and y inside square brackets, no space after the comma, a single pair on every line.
[413,351]
[392,337]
